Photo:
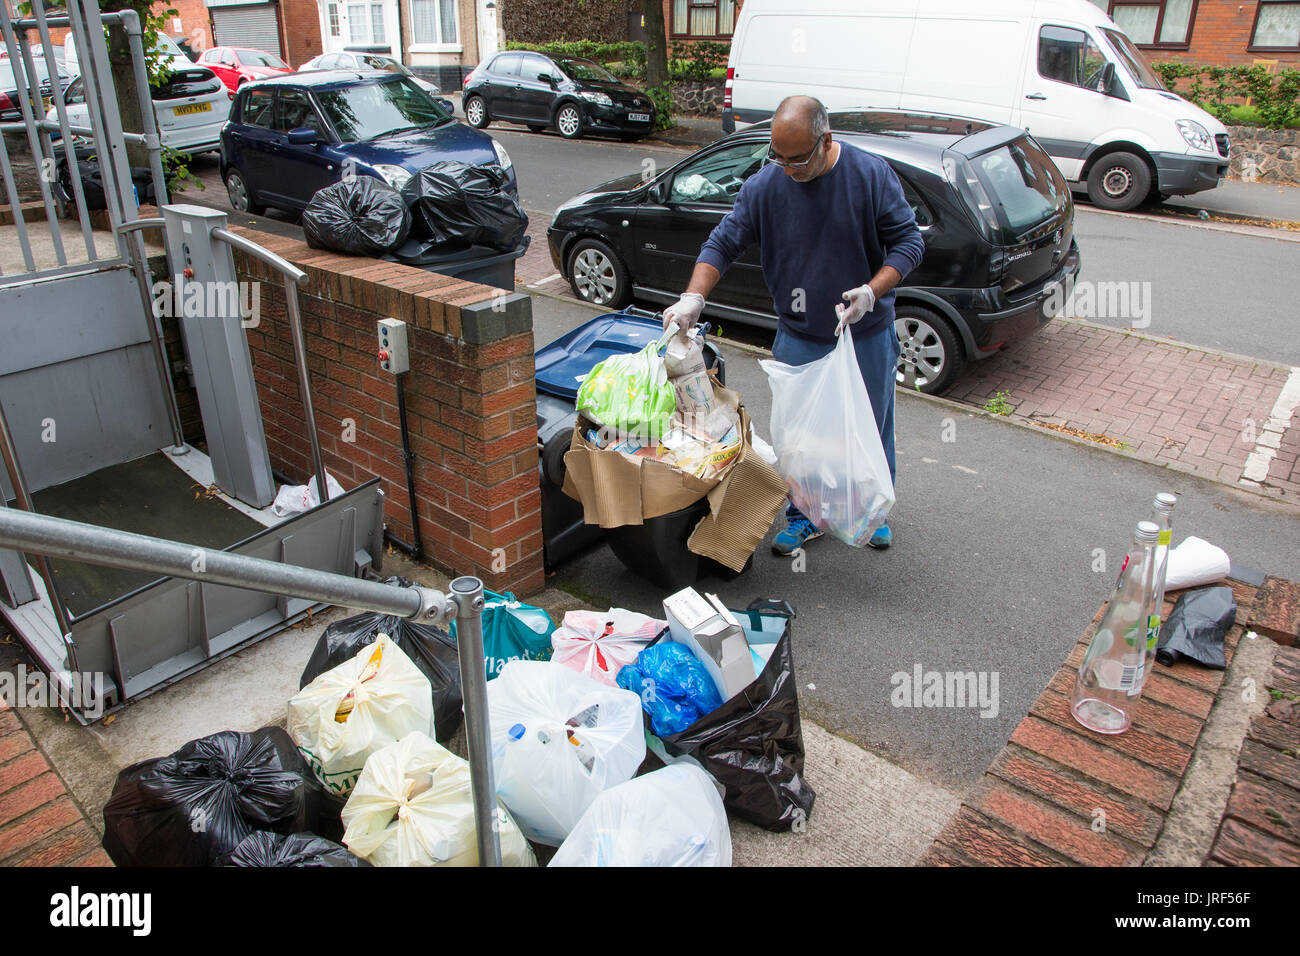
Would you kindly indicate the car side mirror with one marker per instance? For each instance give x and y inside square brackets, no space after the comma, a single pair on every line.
[659,192]
[547,78]
[449,106]
[302,136]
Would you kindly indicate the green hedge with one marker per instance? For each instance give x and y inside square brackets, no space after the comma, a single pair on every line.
[1219,90]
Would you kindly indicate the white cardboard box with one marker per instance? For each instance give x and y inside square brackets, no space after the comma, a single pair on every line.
[715,637]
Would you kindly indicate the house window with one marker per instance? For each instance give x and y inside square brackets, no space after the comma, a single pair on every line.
[434,21]
[703,18]
[333,15]
[1161,23]
[1277,27]
[366,24]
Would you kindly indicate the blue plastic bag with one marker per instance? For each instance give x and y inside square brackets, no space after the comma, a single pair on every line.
[674,687]
[512,631]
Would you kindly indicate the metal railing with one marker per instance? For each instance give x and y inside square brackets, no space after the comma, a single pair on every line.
[59,537]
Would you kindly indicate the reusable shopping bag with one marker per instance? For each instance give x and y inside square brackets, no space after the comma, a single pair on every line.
[512,631]
[630,393]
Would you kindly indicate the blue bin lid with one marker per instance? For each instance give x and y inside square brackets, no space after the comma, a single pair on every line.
[574,354]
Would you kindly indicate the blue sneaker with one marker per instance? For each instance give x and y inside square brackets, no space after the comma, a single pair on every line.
[882,538]
[798,531]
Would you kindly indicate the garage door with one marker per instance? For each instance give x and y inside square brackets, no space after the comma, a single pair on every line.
[251,26]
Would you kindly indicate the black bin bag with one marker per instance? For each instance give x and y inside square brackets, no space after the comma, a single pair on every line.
[296,849]
[432,649]
[457,204]
[194,807]
[753,743]
[360,216]
[1196,628]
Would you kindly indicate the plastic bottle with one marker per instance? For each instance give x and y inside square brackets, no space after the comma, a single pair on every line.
[1110,678]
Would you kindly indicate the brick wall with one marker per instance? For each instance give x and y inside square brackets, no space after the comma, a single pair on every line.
[195,25]
[300,31]
[470,398]
[1220,35]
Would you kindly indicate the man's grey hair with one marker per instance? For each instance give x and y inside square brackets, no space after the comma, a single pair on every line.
[809,109]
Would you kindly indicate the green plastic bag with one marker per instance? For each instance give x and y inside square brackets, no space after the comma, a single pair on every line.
[512,631]
[630,393]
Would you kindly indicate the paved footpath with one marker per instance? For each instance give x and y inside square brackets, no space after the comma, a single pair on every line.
[1227,418]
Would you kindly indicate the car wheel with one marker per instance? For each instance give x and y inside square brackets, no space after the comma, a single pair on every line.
[598,275]
[569,121]
[476,112]
[1119,181]
[535,128]
[241,197]
[930,354]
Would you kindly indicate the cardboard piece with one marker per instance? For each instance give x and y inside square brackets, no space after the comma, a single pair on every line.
[714,636]
[618,489]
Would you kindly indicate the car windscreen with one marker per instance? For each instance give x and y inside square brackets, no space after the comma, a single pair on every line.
[1024,184]
[259,58]
[1127,52]
[168,47]
[7,81]
[586,70]
[376,109]
[384,63]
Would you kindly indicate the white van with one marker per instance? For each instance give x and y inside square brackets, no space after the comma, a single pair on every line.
[1061,69]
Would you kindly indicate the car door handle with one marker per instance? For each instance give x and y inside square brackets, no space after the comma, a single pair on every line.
[1036,96]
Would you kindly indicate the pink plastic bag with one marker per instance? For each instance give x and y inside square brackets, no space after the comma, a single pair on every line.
[600,643]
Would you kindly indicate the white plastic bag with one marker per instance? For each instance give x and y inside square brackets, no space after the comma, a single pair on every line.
[827,446]
[559,739]
[1195,562]
[413,806]
[600,643]
[672,817]
[295,499]
[364,704]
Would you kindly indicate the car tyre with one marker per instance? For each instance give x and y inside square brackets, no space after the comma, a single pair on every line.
[241,195]
[1119,181]
[476,113]
[931,356]
[568,120]
[597,274]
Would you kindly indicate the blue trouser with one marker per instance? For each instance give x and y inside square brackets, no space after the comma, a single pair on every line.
[877,360]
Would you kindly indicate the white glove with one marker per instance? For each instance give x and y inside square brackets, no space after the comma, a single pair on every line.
[860,301]
[685,312]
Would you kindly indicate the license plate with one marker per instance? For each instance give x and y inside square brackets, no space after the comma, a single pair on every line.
[192,108]
[639,117]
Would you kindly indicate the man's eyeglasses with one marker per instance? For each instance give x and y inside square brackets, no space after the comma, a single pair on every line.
[771,157]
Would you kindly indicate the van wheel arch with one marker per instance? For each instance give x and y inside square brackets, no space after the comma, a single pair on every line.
[1123,146]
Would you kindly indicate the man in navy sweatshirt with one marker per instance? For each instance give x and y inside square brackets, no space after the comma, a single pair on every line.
[827,218]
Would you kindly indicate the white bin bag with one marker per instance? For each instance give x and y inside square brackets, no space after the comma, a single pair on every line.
[827,446]
[600,643]
[413,807]
[346,714]
[559,739]
[672,817]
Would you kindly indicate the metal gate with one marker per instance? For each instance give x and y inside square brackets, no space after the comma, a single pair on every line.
[88,414]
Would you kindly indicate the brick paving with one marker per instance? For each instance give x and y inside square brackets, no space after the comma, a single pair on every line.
[1042,799]
[1261,824]
[40,824]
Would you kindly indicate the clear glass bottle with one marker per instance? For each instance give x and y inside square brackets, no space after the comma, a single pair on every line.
[1110,678]
[1162,511]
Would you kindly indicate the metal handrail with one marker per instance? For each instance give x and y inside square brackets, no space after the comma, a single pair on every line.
[293,277]
[46,535]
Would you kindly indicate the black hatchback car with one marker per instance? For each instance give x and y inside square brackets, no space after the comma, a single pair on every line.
[575,96]
[995,212]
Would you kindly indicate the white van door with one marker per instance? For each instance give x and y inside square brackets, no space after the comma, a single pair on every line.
[1062,103]
[967,66]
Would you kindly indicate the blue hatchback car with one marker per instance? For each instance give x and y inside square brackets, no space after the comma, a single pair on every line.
[291,135]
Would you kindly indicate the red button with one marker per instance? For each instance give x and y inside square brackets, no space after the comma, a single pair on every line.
[383,355]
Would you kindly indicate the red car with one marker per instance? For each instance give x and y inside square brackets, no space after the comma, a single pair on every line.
[237,65]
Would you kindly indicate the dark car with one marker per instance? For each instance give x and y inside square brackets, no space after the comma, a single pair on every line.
[995,212]
[575,96]
[290,136]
